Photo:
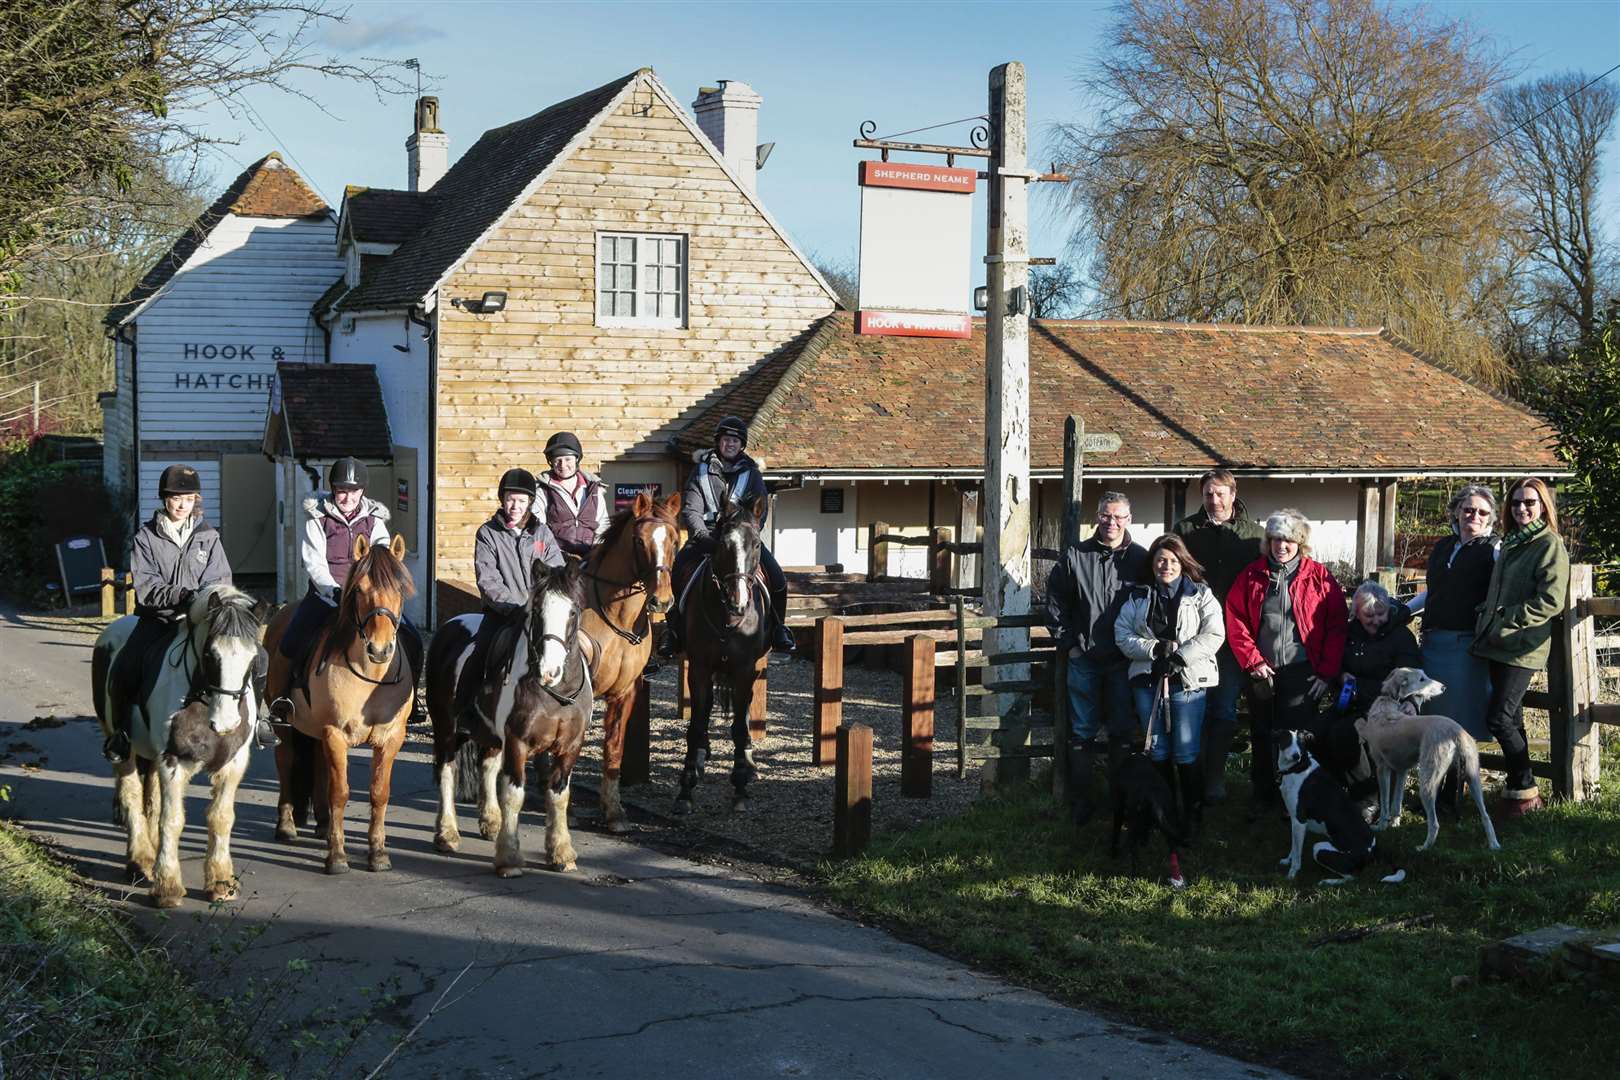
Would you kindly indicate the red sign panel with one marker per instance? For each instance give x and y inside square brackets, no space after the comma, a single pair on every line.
[913,324]
[918,177]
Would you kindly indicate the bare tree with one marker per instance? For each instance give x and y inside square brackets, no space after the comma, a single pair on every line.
[842,274]
[1556,127]
[1294,161]
[1054,291]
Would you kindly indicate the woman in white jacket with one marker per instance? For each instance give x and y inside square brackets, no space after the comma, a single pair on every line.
[1170,631]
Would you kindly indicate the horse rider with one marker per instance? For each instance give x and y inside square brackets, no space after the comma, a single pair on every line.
[723,471]
[505,550]
[174,556]
[333,519]
[576,509]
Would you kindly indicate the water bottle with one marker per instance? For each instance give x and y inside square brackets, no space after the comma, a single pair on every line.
[1347,693]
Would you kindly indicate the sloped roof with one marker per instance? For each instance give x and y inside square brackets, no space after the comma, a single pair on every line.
[475,193]
[1182,398]
[386,215]
[268,188]
[327,411]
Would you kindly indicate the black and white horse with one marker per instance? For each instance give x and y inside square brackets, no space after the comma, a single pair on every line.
[543,706]
[728,635]
[196,715]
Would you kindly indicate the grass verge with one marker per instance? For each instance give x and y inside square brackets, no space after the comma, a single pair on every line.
[1237,959]
[83,996]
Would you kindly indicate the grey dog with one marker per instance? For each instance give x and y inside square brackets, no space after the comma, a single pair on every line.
[1400,738]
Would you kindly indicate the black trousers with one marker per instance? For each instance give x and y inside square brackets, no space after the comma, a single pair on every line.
[687,559]
[1504,715]
[1290,708]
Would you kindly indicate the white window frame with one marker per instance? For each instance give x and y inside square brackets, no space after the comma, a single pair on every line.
[648,268]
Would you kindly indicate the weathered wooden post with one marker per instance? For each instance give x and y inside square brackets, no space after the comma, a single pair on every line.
[1573,681]
[1074,470]
[967,532]
[758,705]
[107,591]
[636,766]
[129,593]
[1005,569]
[877,551]
[829,690]
[939,561]
[852,790]
[917,719]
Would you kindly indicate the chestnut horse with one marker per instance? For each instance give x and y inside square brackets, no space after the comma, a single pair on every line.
[627,579]
[359,693]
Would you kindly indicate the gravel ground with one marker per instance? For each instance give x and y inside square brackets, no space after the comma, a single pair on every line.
[790,807]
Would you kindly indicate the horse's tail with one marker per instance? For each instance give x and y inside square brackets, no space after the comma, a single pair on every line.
[301,774]
[100,666]
[469,771]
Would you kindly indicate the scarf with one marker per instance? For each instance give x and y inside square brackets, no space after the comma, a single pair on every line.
[1521,536]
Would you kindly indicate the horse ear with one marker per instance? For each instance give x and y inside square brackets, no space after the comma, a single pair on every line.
[755,507]
[396,547]
[672,505]
[215,602]
[538,570]
[361,546]
[643,504]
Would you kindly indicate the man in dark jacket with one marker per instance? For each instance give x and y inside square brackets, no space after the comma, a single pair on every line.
[1084,595]
[1224,539]
[722,474]
[505,550]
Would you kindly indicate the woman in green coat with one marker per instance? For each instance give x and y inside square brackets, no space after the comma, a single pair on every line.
[1529,589]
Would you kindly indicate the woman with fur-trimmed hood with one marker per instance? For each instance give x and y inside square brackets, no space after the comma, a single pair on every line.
[1285,623]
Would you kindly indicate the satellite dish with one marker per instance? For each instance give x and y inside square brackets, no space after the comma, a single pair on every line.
[762,153]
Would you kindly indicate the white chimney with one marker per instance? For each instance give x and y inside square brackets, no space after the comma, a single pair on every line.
[729,116]
[427,151]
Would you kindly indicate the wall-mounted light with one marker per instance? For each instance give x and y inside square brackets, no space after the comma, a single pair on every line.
[981,298]
[1017,300]
[489,304]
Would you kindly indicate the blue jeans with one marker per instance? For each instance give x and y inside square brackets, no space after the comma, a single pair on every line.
[1186,723]
[1099,700]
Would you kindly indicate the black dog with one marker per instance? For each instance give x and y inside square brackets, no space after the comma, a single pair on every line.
[1142,796]
[1316,803]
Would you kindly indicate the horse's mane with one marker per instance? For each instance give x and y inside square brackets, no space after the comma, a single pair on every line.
[565,578]
[386,573]
[623,520]
[235,617]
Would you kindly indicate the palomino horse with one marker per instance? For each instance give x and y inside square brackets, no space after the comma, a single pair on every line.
[358,693]
[198,715]
[728,627]
[542,707]
[628,577]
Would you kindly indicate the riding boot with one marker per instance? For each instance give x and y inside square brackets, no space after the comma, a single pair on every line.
[264,737]
[1192,799]
[783,640]
[1081,758]
[669,641]
[1119,749]
[1217,745]
[116,748]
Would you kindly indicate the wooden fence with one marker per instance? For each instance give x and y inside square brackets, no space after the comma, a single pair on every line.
[943,552]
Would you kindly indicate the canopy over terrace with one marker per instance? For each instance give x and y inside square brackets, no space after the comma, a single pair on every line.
[1274,403]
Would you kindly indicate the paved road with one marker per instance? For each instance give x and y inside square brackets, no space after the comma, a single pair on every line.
[640,965]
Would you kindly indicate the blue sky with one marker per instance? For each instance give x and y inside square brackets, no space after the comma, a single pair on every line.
[822,68]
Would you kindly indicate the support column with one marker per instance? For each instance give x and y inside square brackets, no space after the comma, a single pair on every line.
[967,532]
[1175,503]
[1366,557]
[1386,523]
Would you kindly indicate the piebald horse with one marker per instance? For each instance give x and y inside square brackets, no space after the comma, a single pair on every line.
[542,707]
[627,578]
[359,693]
[198,716]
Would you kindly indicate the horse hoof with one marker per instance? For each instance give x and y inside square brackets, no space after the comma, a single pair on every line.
[337,867]
[683,806]
[489,830]
[565,867]
[508,871]
[379,864]
[618,826]
[286,834]
[223,892]
[167,899]
[447,843]
[739,805]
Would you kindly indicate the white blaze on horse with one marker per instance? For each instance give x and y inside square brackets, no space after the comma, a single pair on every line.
[195,715]
[542,706]
[357,692]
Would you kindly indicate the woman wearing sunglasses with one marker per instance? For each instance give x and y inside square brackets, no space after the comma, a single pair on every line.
[1529,588]
[1459,575]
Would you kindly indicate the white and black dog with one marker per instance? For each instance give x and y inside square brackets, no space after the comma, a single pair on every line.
[1318,804]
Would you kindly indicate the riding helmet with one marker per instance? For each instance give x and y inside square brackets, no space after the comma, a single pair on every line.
[519,480]
[564,442]
[179,480]
[732,425]
[347,472]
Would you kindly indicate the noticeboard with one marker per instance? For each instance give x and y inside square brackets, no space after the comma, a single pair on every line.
[625,494]
[80,559]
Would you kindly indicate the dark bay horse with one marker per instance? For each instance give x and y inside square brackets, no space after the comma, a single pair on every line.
[627,577]
[543,707]
[728,635]
[360,690]
[197,715]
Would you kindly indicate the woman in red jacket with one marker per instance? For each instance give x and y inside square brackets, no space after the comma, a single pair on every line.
[1285,622]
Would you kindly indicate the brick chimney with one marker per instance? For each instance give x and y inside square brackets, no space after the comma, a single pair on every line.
[729,115]
[427,151]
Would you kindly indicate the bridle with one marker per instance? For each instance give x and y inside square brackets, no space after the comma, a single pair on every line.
[395,672]
[196,692]
[562,697]
[639,584]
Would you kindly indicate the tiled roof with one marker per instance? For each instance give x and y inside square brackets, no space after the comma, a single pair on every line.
[473,195]
[267,188]
[1181,397]
[333,293]
[386,215]
[326,411]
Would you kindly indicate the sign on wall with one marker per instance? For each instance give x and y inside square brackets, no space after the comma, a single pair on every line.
[625,494]
[916,239]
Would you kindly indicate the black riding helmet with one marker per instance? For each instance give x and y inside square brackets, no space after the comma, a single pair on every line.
[732,425]
[564,442]
[519,480]
[179,480]
[346,472]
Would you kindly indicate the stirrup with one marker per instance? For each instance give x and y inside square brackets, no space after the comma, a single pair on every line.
[281,710]
[116,747]
[264,736]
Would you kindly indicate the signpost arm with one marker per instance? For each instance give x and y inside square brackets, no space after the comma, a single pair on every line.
[1005,566]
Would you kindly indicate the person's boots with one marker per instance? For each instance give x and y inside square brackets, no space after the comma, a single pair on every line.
[1082,756]
[1192,799]
[116,747]
[669,640]
[1217,745]
[264,736]
[1118,750]
[783,641]
[1167,772]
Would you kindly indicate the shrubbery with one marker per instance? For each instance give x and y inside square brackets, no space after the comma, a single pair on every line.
[41,503]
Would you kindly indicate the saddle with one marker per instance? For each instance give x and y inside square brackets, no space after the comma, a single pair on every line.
[700,568]
[133,684]
[484,674]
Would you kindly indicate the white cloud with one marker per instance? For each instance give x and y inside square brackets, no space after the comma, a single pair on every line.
[363,32]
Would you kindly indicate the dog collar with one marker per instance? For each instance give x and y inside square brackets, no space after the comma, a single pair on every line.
[1302,765]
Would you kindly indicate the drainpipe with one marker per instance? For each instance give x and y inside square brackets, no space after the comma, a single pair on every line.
[429,494]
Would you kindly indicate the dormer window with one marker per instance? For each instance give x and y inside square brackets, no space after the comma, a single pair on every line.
[641,280]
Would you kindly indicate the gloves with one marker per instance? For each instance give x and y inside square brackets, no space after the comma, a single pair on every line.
[1318,690]
[1162,667]
[1163,648]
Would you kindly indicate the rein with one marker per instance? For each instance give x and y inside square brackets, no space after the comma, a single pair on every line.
[395,672]
[194,692]
[632,587]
